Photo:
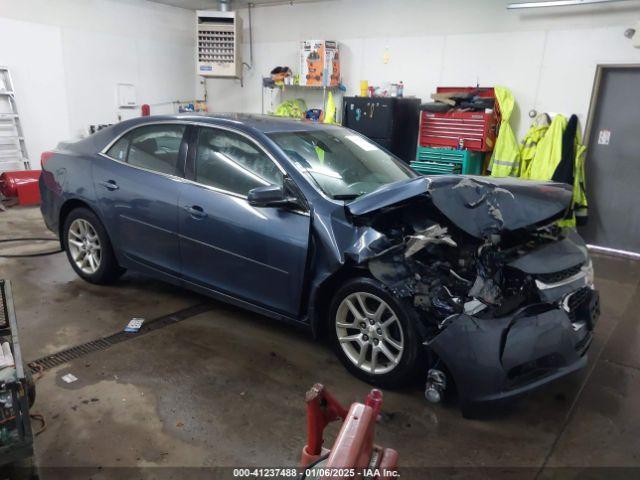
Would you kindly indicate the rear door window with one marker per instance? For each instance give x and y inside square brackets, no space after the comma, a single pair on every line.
[154,147]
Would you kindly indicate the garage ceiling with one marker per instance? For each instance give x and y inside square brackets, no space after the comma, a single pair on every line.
[213,4]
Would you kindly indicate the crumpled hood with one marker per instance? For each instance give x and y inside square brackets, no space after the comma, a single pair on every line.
[477,205]
[388,195]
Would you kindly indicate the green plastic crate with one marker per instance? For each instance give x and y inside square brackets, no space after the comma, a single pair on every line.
[442,161]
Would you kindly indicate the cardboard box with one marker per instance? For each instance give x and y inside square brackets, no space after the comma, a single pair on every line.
[319,63]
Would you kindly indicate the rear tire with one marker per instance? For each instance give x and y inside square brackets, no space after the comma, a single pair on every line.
[364,315]
[89,249]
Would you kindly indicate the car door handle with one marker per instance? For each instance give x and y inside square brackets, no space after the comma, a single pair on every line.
[110,185]
[196,211]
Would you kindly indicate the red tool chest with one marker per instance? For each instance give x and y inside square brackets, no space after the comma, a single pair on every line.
[477,129]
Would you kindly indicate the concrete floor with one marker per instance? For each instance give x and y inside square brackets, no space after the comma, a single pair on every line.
[226,387]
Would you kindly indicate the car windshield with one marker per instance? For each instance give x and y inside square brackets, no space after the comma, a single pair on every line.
[342,163]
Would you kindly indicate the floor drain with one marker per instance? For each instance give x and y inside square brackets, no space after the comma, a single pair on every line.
[103,343]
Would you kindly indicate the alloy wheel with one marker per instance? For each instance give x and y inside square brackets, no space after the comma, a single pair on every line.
[369,333]
[84,246]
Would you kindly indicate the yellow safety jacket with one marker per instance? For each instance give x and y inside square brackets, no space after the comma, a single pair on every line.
[547,157]
[505,160]
[549,151]
[529,146]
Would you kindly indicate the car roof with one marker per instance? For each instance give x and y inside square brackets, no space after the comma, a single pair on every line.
[261,123]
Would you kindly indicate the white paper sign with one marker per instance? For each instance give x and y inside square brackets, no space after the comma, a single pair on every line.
[69,378]
[604,137]
[134,325]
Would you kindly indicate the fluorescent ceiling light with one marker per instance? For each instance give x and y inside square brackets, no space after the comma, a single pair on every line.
[556,3]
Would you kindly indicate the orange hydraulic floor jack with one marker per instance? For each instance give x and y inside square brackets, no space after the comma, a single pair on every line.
[354,453]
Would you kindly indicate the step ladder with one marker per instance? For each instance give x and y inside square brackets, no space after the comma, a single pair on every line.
[13,151]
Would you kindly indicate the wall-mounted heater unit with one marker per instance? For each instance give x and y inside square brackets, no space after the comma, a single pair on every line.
[219,43]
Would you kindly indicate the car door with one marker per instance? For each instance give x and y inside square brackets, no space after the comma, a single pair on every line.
[255,254]
[137,184]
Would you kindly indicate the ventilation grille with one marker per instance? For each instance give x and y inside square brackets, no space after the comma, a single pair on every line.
[216,44]
[218,39]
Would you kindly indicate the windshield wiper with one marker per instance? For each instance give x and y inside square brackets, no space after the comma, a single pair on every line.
[346,196]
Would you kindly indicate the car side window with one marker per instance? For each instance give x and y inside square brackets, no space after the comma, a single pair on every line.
[155,147]
[231,162]
[119,149]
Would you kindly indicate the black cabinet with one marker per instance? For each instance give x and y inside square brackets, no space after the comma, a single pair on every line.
[390,122]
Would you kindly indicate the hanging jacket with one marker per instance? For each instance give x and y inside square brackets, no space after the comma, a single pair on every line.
[564,170]
[571,171]
[549,151]
[505,160]
[530,143]
[580,206]
[550,163]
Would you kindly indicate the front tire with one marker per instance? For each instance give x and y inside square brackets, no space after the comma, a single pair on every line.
[88,248]
[374,333]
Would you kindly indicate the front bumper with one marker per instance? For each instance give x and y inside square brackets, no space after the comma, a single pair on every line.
[499,358]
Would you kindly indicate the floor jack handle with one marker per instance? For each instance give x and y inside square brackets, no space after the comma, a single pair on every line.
[322,409]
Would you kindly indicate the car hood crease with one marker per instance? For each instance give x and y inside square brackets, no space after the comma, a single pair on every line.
[477,205]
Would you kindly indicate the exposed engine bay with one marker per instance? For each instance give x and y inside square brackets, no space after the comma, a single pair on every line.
[447,275]
[478,255]
[419,253]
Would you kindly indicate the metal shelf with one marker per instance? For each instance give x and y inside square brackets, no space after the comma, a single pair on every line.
[304,87]
[309,88]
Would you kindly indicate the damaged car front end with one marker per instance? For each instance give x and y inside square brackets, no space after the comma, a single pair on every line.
[505,298]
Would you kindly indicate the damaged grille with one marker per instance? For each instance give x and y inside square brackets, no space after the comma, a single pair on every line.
[575,300]
[556,277]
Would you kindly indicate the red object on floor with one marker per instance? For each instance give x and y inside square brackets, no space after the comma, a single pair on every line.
[354,449]
[322,409]
[22,185]
[145,110]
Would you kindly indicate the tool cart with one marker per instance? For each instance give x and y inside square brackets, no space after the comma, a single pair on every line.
[455,141]
[391,122]
[17,391]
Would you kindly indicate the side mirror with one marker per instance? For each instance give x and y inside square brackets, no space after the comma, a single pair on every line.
[270,196]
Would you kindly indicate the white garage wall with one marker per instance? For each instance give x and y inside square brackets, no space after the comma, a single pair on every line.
[40,85]
[66,57]
[547,57]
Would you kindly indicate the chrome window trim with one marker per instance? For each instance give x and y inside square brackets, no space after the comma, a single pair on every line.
[214,189]
[149,124]
[103,153]
[168,175]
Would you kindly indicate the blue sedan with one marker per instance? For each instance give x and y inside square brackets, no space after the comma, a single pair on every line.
[459,279]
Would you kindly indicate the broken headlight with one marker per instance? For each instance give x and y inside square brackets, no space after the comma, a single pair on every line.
[587,269]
